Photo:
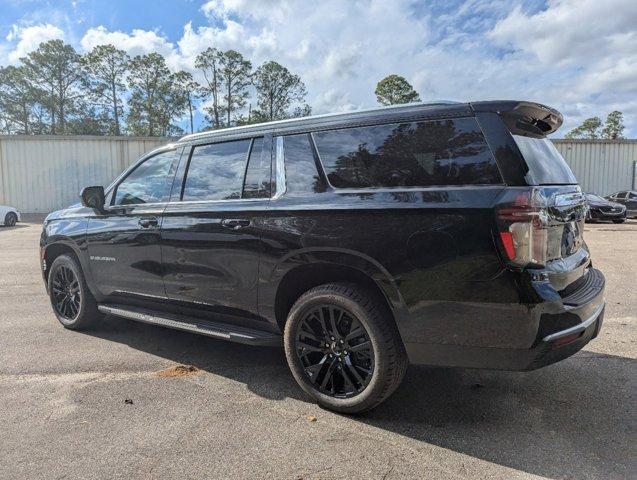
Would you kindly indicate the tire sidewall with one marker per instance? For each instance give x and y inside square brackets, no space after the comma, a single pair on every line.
[297,313]
[10,219]
[69,262]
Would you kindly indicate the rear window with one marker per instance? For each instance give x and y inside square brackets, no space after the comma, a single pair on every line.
[415,154]
[546,164]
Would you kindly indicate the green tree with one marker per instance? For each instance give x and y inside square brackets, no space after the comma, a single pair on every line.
[277,90]
[394,89]
[157,97]
[190,89]
[58,79]
[107,67]
[17,101]
[208,62]
[235,72]
[91,121]
[588,129]
[614,126]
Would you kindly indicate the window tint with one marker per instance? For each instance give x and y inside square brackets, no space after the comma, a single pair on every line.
[622,194]
[215,172]
[441,152]
[546,165]
[148,183]
[257,182]
[301,175]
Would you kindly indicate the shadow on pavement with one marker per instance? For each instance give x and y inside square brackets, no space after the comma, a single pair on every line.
[574,419]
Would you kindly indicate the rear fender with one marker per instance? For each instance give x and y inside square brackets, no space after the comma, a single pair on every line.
[342,258]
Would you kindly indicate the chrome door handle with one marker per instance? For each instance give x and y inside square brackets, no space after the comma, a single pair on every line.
[235,223]
[148,222]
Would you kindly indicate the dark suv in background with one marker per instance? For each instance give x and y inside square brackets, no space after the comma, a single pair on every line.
[440,234]
[627,198]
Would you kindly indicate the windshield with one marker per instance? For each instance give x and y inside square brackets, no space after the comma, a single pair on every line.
[594,198]
[546,165]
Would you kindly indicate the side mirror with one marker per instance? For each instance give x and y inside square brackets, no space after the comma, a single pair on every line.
[93,197]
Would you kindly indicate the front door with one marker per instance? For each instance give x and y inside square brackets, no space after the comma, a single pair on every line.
[211,232]
[124,243]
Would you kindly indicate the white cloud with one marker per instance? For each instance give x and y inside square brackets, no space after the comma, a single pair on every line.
[27,39]
[584,53]
[568,30]
[577,55]
[138,42]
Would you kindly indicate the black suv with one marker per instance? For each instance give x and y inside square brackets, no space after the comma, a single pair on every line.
[440,234]
[628,198]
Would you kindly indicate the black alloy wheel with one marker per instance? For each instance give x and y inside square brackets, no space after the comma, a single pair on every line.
[335,351]
[66,293]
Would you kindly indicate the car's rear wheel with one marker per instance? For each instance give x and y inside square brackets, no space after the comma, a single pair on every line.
[10,219]
[72,302]
[343,348]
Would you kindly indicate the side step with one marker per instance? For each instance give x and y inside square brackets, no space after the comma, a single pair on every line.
[225,331]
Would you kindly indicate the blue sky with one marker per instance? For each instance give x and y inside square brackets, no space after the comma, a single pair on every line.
[577,55]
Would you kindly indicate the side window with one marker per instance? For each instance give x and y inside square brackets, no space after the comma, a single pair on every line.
[622,194]
[149,183]
[257,182]
[215,172]
[416,154]
[301,175]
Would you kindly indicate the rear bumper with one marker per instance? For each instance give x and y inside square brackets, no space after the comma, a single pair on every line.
[560,334]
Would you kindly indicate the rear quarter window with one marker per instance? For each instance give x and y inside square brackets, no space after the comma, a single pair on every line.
[414,154]
[546,164]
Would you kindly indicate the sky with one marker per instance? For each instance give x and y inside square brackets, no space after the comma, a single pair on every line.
[579,56]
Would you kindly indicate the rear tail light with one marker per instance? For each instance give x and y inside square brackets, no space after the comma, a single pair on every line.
[523,219]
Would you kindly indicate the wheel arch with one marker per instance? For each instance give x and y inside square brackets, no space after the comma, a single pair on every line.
[53,251]
[308,269]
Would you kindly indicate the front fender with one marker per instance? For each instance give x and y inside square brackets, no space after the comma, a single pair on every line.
[66,234]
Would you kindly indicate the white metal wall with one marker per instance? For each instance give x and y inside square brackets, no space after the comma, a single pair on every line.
[39,174]
[601,166]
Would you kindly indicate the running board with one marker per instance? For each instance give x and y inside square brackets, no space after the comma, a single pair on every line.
[224,331]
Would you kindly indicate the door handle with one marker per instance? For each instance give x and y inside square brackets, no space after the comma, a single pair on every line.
[235,223]
[150,222]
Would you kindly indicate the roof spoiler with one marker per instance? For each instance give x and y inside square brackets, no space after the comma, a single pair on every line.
[523,118]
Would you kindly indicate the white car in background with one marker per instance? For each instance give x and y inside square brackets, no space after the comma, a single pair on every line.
[9,216]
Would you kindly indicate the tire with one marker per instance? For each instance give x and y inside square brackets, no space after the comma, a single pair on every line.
[71,300]
[10,219]
[376,363]
[620,220]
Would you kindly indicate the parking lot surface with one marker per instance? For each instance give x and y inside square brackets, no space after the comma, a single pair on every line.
[110,403]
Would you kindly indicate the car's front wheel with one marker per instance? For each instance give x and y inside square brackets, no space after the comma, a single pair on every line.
[10,219]
[343,349]
[72,301]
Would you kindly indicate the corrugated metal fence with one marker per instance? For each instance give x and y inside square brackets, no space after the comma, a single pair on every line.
[39,174]
[602,166]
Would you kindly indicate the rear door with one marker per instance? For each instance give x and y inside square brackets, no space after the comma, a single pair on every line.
[211,233]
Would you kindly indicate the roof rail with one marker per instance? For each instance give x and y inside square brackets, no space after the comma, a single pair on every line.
[321,116]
